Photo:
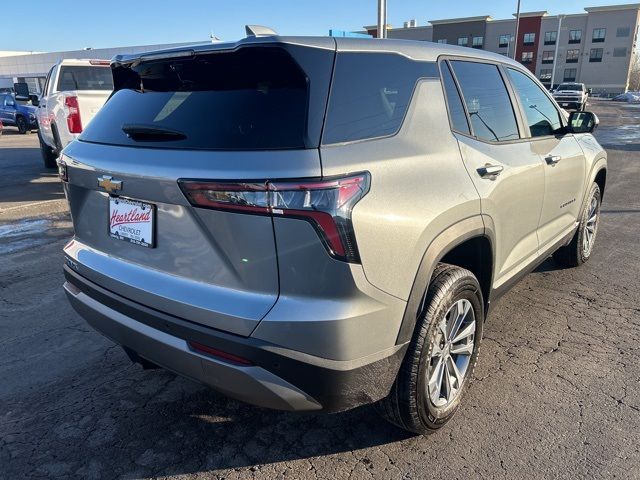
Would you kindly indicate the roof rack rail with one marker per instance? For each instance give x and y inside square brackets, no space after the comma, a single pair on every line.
[259,31]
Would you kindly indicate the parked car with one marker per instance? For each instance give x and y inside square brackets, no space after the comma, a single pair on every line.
[73,92]
[571,95]
[337,230]
[16,114]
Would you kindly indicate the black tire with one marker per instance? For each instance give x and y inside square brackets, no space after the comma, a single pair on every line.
[575,254]
[22,125]
[49,156]
[56,140]
[409,404]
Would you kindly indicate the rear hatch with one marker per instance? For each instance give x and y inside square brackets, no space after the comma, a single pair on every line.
[250,111]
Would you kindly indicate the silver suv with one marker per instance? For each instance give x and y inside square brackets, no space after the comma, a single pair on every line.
[320,223]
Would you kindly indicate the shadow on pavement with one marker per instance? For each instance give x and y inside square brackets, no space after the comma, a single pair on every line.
[116,420]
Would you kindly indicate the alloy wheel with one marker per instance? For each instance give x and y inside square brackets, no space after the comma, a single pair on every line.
[591,226]
[451,350]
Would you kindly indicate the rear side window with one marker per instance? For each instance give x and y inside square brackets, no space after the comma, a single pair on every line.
[542,116]
[85,78]
[456,109]
[370,95]
[488,103]
[254,98]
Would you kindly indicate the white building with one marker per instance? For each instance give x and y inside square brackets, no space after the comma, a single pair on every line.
[32,67]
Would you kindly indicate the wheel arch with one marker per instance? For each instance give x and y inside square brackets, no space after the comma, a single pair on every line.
[601,179]
[467,244]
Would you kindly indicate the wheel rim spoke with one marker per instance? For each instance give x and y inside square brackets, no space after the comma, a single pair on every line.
[435,382]
[463,349]
[448,384]
[451,348]
[465,333]
[462,310]
[590,227]
[456,372]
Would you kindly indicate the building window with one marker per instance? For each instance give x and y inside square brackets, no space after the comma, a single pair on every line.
[547,56]
[569,75]
[550,38]
[575,36]
[595,55]
[527,57]
[463,41]
[442,40]
[545,75]
[572,56]
[623,31]
[529,39]
[620,52]
[477,42]
[504,40]
[598,35]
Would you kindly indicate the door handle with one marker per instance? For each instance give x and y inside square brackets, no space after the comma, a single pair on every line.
[552,159]
[490,171]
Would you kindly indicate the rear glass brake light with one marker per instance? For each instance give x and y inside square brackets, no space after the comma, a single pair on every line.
[99,62]
[326,204]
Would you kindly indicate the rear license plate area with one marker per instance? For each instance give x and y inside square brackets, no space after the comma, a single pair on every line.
[132,221]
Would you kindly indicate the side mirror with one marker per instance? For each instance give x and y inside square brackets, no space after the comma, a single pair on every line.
[589,91]
[35,101]
[582,122]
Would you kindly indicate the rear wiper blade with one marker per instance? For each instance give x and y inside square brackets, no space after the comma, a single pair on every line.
[151,133]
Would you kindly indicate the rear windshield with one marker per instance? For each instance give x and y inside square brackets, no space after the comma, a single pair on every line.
[85,78]
[574,87]
[249,99]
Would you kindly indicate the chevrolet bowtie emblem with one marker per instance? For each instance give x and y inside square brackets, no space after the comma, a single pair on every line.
[109,184]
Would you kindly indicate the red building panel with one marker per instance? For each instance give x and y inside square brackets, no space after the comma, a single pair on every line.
[528,25]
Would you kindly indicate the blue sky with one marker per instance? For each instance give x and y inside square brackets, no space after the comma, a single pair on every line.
[112,23]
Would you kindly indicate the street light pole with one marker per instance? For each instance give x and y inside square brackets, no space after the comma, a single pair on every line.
[382,19]
[555,55]
[515,46]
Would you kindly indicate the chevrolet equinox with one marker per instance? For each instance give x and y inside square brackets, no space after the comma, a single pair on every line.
[313,224]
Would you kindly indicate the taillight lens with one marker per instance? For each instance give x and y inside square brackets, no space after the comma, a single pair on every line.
[326,204]
[62,168]
[73,114]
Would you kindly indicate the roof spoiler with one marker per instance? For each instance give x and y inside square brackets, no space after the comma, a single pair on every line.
[259,31]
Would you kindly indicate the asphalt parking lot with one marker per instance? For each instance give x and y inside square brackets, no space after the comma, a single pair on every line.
[556,394]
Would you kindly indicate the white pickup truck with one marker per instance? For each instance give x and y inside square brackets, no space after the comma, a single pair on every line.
[571,95]
[73,93]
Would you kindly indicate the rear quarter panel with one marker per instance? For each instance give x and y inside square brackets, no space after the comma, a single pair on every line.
[419,187]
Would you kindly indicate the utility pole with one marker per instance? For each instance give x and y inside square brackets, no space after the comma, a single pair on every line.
[555,55]
[382,19]
[515,46]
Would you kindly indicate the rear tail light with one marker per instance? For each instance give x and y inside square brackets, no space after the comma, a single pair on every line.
[62,168]
[326,204]
[73,114]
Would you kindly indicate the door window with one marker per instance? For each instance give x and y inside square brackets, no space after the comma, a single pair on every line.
[456,109]
[542,117]
[45,89]
[485,95]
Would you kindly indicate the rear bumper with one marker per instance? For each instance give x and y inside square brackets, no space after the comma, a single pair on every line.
[278,378]
[568,103]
